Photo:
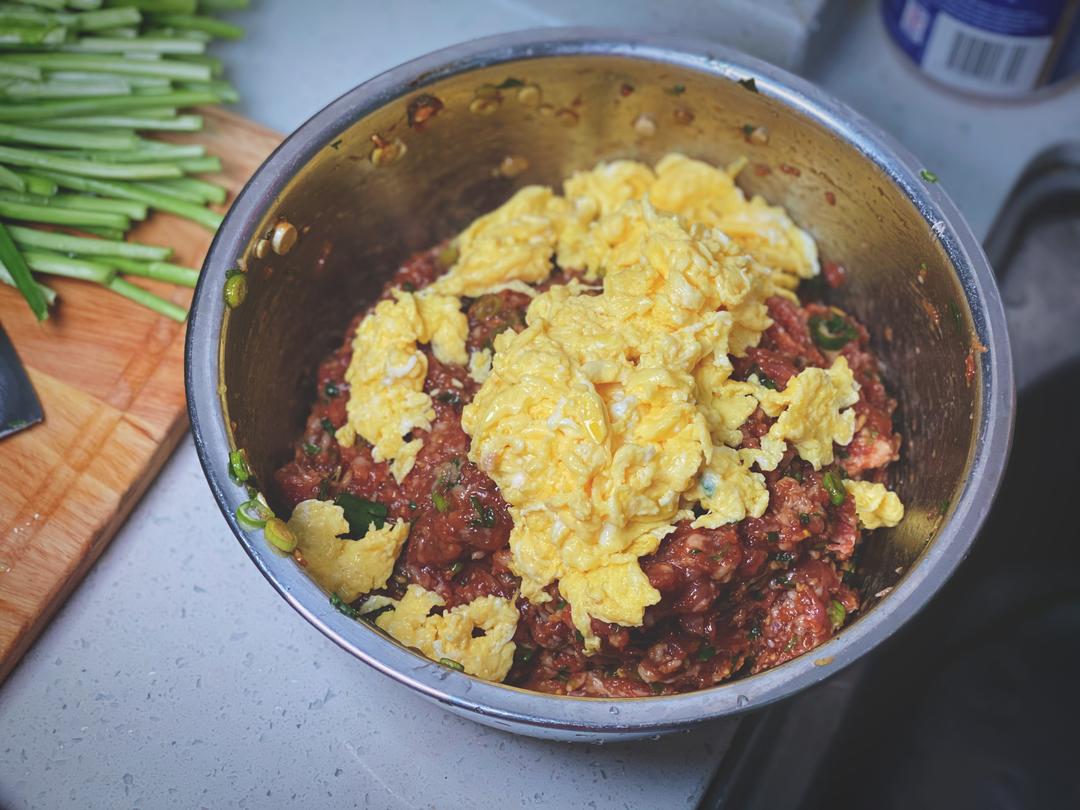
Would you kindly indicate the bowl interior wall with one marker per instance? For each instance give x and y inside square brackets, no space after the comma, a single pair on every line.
[359,220]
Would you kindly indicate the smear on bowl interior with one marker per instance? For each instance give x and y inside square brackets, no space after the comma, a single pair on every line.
[597,445]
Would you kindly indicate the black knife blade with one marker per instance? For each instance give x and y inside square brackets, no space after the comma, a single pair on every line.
[19,405]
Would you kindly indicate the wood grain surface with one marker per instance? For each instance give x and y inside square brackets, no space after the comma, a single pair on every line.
[109,374]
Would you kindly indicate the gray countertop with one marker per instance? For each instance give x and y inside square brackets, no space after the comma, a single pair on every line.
[176,677]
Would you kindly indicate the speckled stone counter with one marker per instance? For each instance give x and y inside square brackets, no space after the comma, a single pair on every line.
[176,677]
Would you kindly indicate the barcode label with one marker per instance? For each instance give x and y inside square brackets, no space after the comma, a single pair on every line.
[972,59]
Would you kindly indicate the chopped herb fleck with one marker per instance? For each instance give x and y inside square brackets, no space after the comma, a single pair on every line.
[656,688]
[238,466]
[772,536]
[837,613]
[831,333]
[449,662]
[784,556]
[705,653]
[749,84]
[343,607]
[327,425]
[440,501]
[336,144]
[943,507]
[456,568]
[804,519]
[331,390]
[527,654]
[509,83]
[361,514]
[928,176]
[695,551]
[311,449]
[580,638]
[835,487]
[408,286]
[485,518]
[754,631]
[560,604]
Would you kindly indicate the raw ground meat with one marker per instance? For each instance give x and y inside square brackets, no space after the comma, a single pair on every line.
[734,600]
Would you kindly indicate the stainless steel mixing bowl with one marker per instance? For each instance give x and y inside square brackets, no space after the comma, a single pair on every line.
[411,156]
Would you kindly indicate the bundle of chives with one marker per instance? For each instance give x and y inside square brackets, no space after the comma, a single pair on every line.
[81,84]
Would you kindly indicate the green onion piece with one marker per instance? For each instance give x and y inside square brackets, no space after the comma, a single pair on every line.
[928,176]
[154,44]
[61,138]
[110,63]
[448,662]
[57,264]
[344,607]
[238,466]
[48,292]
[179,123]
[311,449]
[223,5]
[440,501]
[62,216]
[36,184]
[148,299]
[9,179]
[42,110]
[253,514]
[131,191]
[208,25]
[837,614]
[31,72]
[706,653]
[456,567]
[835,487]
[279,535]
[160,6]
[17,268]
[87,168]
[331,390]
[107,18]
[235,290]
[159,271]
[104,86]
[832,332]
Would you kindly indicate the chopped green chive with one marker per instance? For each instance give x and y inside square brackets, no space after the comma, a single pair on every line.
[449,662]
[279,535]
[837,614]
[253,514]
[706,653]
[328,426]
[831,333]
[311,449]
[928,176]
[440,501]
[835,487]
[331,390]
[235,290]
[344,607]
[238,466]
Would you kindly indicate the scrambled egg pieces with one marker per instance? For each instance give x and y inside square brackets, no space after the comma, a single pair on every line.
[387,370]
[479,635]
[874,504]
[348,568]
[611,416]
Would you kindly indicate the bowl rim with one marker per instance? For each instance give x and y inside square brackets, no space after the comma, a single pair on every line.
[509,706]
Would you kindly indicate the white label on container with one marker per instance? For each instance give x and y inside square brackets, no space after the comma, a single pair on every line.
[970,58]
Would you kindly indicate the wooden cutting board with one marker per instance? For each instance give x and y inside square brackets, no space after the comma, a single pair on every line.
[110,377]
